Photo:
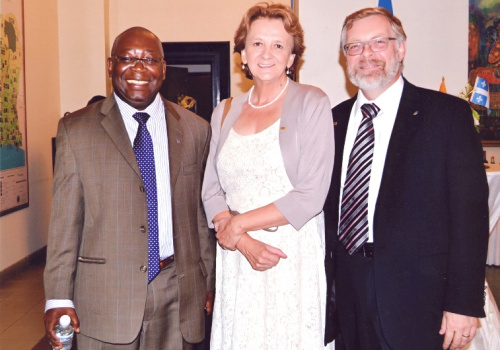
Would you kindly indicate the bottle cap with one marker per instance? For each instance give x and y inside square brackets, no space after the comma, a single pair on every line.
[64,321]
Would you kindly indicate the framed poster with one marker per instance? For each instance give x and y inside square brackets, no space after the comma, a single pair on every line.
[13,145]
[484,62]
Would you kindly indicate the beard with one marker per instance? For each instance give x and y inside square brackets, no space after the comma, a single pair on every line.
[374,80]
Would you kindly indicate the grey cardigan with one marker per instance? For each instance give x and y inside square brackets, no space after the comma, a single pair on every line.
[307,146]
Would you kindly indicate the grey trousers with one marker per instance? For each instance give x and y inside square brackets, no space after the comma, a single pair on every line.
[160,326]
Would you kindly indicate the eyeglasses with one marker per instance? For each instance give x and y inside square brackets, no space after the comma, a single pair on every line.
[132,61]
[376,45]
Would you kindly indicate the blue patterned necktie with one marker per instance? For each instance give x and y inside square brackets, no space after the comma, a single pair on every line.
[353,226]
[143,149]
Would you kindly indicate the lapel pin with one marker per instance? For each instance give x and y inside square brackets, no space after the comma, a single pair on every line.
[415,113]
[282,127]
[178,140]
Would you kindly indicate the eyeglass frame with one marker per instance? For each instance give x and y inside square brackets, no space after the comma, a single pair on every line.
[369,43]
[146,61]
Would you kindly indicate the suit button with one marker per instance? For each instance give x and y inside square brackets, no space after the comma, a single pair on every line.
[142,229]
[144,269]
[142,189]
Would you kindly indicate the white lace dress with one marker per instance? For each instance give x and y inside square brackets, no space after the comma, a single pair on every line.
[284,307]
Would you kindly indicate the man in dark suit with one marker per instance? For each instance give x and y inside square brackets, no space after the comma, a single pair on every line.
[407,213]
[133,270]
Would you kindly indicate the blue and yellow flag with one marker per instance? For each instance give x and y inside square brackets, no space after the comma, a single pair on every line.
[387,4]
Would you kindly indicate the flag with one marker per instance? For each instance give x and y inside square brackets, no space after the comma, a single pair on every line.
[387,4]
[480,94]
[442,87]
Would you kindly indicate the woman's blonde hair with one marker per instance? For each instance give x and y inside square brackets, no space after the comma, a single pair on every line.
[271,11]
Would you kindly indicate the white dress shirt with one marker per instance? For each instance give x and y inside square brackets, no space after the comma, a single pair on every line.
[383,123]
[157,127]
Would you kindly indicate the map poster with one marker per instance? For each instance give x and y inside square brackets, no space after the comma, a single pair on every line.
[13,145]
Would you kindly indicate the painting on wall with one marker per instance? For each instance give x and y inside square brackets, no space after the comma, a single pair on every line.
[484,64]
[13,145]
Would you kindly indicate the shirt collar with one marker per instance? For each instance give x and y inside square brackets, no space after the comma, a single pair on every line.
[154,109]
[387,99]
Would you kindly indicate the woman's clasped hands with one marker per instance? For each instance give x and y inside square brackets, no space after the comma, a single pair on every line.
[232,236]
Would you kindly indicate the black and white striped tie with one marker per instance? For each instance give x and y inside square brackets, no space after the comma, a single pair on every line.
[353,226]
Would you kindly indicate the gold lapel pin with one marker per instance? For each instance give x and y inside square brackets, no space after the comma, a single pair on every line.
[283,128]
[415,113]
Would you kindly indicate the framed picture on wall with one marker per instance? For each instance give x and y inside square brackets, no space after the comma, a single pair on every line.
[13,145]
[484,63]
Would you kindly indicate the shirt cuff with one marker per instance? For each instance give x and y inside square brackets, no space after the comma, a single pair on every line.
[54,303]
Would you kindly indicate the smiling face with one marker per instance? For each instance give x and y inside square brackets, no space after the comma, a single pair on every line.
[268,49]
[374,72]
[137,83]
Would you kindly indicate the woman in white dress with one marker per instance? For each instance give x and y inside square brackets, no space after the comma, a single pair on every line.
[265,183]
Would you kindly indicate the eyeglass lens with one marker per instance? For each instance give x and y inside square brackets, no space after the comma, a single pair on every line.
[377,44]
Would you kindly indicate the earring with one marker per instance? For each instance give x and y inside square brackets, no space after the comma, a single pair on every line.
[287,70]
[243,66]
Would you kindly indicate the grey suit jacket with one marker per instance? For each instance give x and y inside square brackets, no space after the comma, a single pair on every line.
[97,246]
[307,146]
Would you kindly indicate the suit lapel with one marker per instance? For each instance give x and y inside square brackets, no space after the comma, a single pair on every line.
[341,119]
[175,142]
[340,122]
[407,122]
[115,127]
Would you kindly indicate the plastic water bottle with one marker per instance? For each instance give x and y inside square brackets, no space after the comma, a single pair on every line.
[64,331]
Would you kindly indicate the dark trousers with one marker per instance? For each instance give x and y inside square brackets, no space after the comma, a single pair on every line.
[356,302]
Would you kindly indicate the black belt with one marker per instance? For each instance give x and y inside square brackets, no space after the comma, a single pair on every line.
[165,262]
[366,250]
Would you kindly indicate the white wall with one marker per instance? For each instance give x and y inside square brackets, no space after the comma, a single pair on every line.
[82,56]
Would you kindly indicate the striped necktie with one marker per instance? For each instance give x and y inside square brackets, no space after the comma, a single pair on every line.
[353,226]
[143,149]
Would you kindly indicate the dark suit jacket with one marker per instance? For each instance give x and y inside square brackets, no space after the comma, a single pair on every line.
[431,217]
[97,246]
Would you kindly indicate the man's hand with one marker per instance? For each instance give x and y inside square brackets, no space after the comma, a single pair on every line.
[209,303]
[261,256]
[458,330]
[51,319]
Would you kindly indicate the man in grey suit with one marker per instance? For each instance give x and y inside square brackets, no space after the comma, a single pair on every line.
[97,257]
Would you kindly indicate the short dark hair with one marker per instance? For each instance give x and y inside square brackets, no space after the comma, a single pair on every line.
[95,99]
